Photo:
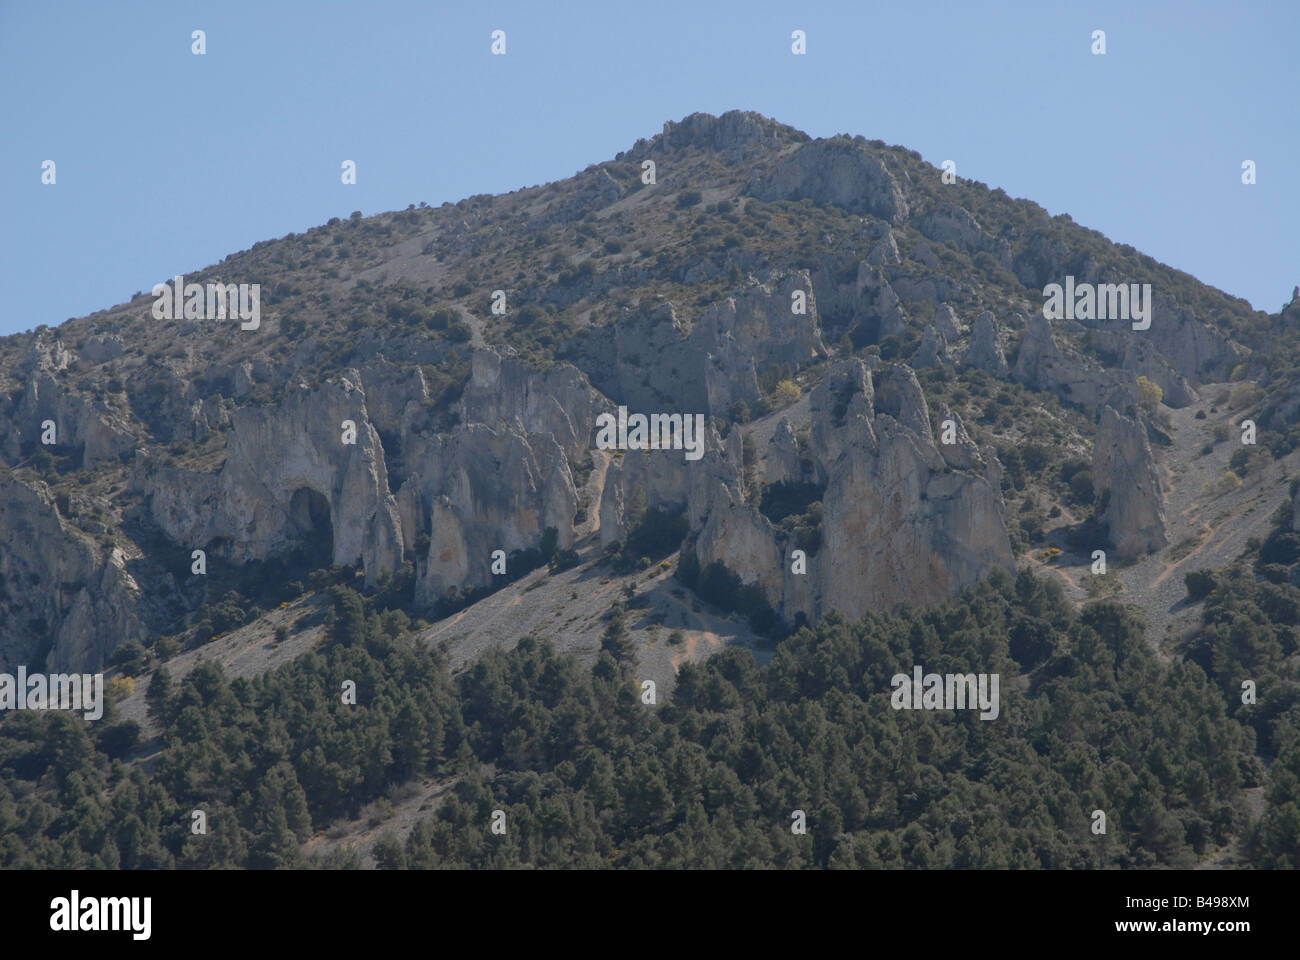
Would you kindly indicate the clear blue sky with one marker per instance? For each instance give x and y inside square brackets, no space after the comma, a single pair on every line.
[167,161]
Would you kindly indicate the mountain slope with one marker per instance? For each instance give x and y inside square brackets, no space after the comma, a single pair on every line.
[922,306]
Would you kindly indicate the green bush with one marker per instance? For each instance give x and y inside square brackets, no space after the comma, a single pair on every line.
[1199,583]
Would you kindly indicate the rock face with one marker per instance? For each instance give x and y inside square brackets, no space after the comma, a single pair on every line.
[494,482]
[489,490]
[66,605]
[840,171]
[592,190]
[1141,358]
[90,426]
[288,476]
[1194,348]
[898,522]
[79,422]
[499,479]
[1122,465]
[558,401]
[447,467]
[1043,366]
[655,361]
[782,461]
[102,349]
[862,294]
[955,445]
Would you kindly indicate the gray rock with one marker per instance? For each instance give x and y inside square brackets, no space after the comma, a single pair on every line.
[839,171]
[1042,365]
[876,298]
[81,596]
[1122,465]
[985,352]
[962,453]
[897,523]
[883,249]
[922,253]
[655,361]
[945,321]
[734,134]
[952,225]
[102,349]
[279,461]
[781,465]
[933,349]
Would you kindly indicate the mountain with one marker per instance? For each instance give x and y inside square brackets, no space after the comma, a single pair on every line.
[474,429]
[432,418]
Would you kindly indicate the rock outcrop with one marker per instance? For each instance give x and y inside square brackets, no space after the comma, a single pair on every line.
[781,464]
[898,522]
[66,602]
[950,224]
[985,351]
[99,431]
[489,490]
[289,475]
[945,321]
[841,171]
[933,349]
[734,134]
[558,401]
[1124,472]
[882,247]
[1042,365]
[655,361]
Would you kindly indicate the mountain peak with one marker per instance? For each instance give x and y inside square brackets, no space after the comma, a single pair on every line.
[730,132]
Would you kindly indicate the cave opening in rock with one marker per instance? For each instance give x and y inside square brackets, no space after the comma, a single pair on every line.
[221,547]
[313,528]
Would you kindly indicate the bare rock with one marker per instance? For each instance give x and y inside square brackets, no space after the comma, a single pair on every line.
[1123,467]
[841,171]
[67,603]
[945,321]
[781,465]
[985,351]
[933,349]
[287,473]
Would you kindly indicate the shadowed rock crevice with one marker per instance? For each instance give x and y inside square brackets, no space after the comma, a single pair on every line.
[313,527]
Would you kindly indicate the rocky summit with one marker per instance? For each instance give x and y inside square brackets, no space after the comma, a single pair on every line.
[890,416]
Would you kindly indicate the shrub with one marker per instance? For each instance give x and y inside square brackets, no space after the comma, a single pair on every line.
[1081,489]
[1229,481]
[1149,394]
[1199,583]
[131,657]
[785,393]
